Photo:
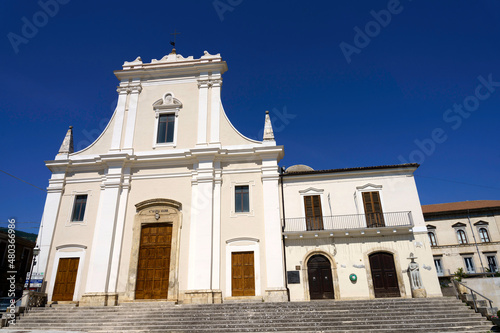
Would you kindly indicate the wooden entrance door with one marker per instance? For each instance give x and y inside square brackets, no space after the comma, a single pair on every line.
[64,287]
[385,279]
[154,262]
[243,274]
[319,272]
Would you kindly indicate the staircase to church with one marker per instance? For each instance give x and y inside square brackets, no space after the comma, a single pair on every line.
[381,315]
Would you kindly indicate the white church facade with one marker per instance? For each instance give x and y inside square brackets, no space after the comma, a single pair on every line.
[172,203]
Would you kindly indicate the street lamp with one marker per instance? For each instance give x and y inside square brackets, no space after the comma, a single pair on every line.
[36,251]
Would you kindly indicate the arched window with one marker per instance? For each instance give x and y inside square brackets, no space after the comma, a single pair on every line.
[483,233]
[432,238]
[462,238]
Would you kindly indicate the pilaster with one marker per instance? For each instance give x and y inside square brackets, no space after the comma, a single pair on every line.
[101,256]
[216,244]
[135,90]
[118,237]
[202,222]
[50,213]
[275,288]
[203,84]
[216,83]
[123,91]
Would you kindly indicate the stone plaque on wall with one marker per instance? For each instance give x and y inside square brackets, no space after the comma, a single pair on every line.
[293,277]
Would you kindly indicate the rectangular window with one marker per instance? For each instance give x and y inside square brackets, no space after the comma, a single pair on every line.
[469,265]
[492,263]
[314,215]
[79,208]
[373,210]
[166,128]
[439,266]
[241,199]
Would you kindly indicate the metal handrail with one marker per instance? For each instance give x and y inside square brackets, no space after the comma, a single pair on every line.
[346,222]
[472,293]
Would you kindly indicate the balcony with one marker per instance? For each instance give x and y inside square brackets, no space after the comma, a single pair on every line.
[355,225]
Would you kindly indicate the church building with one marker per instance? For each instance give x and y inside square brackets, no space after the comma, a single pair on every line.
[172,203]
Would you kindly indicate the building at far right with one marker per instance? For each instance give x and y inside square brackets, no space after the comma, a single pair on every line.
[464,235]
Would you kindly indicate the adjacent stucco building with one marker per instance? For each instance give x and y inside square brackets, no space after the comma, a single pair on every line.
[464,235]
[353,230]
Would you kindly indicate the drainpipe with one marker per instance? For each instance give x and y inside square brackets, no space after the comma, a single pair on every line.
[282,170]
[475,242]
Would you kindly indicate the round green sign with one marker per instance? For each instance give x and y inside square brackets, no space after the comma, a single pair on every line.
[353,277]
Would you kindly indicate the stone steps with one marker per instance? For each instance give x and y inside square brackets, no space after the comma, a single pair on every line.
[386,315]
[188,316]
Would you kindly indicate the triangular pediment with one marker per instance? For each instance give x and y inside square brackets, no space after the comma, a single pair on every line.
[481,223]
[311,190]
[430,227]
[458,225]
[369,186]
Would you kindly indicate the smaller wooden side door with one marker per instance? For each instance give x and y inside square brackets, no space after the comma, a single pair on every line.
[385,279]
[64,287]
[243,274]
[319,273]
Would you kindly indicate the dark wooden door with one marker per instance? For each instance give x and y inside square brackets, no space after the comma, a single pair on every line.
[64,287]
[314,215]
[385,279]
[373,210]
[154,262]
[319,272]
[243,274]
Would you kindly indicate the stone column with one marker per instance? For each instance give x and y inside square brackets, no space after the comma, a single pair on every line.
[135,90]
[116,139]
[275,289]
[215,109]
[201,233]
[202,109]
[216,246]
[96,291]
[118,237]
[49,219]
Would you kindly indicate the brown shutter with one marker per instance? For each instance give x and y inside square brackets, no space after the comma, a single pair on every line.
[314,216]
[373,209]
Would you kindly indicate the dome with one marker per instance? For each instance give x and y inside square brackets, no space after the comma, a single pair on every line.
[299,168]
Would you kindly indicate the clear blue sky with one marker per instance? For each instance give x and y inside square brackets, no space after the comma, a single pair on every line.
[399,87]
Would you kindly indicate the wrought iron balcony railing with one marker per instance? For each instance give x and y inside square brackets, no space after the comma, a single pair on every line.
[346,222]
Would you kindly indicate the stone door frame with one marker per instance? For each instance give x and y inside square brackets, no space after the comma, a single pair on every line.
[305,274]
[397,265]
[169,211]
